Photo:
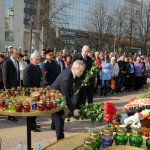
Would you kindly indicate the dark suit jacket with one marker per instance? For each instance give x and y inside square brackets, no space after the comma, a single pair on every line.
[9,74]
[32,76]
[88,65]
[64,83]
[63,66]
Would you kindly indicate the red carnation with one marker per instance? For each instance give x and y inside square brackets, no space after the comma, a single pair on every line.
[44,72]
[108,117]
[109,108]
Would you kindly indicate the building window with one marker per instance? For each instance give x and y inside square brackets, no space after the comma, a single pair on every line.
[9,20]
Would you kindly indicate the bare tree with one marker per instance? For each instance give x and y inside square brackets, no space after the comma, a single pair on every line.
[143,27]
[96,24]
[52,14]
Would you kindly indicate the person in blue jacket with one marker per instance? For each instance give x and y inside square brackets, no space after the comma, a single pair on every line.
[105,75]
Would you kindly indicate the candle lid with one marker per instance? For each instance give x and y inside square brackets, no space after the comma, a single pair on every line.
[136,132]
[107,131]
[95,134]
[121,131]
[88,141]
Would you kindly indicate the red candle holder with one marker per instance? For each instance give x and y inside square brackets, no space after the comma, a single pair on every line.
[54,104]
[2,104]
[41,107]
[19,108]
[48,105]
[26,107]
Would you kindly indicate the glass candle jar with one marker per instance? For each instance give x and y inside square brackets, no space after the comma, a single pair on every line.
[121,137]
[107,138]
[26,107]
[96,135]
[54,104]
[34,105]
[48,105]
[41,106]
[48,96]
[11,107]
[19,107]
[135,138]
[90,142]
[62,101]
[2,104]
[6,104]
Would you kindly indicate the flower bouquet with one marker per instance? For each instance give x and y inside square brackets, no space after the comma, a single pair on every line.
[139,108]
[43,78]
[98,112]
[89,74]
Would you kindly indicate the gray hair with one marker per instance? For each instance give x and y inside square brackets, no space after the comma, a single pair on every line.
[85,47]
[78,64]
[34,55]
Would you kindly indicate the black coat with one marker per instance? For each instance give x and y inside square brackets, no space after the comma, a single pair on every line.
[32,76]
[122,66]
[9,74]
[64,83]
[53,72]
[63,66]
[128,68]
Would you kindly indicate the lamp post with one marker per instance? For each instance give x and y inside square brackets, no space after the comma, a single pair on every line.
[31,26]
[20,49]
[6,50]
[115,31]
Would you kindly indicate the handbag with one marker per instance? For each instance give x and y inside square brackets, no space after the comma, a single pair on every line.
[112,84]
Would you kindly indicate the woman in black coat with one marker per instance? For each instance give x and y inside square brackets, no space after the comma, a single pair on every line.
[129,75]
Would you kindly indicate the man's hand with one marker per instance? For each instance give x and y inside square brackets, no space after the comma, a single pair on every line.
[76,112]
[48,87]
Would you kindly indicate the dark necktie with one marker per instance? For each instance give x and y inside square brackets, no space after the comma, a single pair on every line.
[59,66]
[16,66]
[85,58]
[38,69]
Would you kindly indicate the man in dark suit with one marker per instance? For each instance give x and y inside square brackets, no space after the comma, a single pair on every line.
[10,70]
[11,74]
[64,83]
[60,62]
[32,78]
[84,91]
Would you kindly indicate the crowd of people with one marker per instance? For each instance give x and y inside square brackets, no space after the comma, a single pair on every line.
[65,72]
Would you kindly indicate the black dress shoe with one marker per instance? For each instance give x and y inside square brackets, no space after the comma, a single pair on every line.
[35,130]
[36,126]
[12,119]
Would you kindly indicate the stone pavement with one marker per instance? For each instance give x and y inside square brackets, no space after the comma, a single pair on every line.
[11,132]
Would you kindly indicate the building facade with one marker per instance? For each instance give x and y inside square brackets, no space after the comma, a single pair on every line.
[16,20]
[15,17]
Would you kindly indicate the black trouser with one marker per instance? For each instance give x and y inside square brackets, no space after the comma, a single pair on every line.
[138,82]
[82,95]
[129,81]
[90,92]
[120,81]
[58,121]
